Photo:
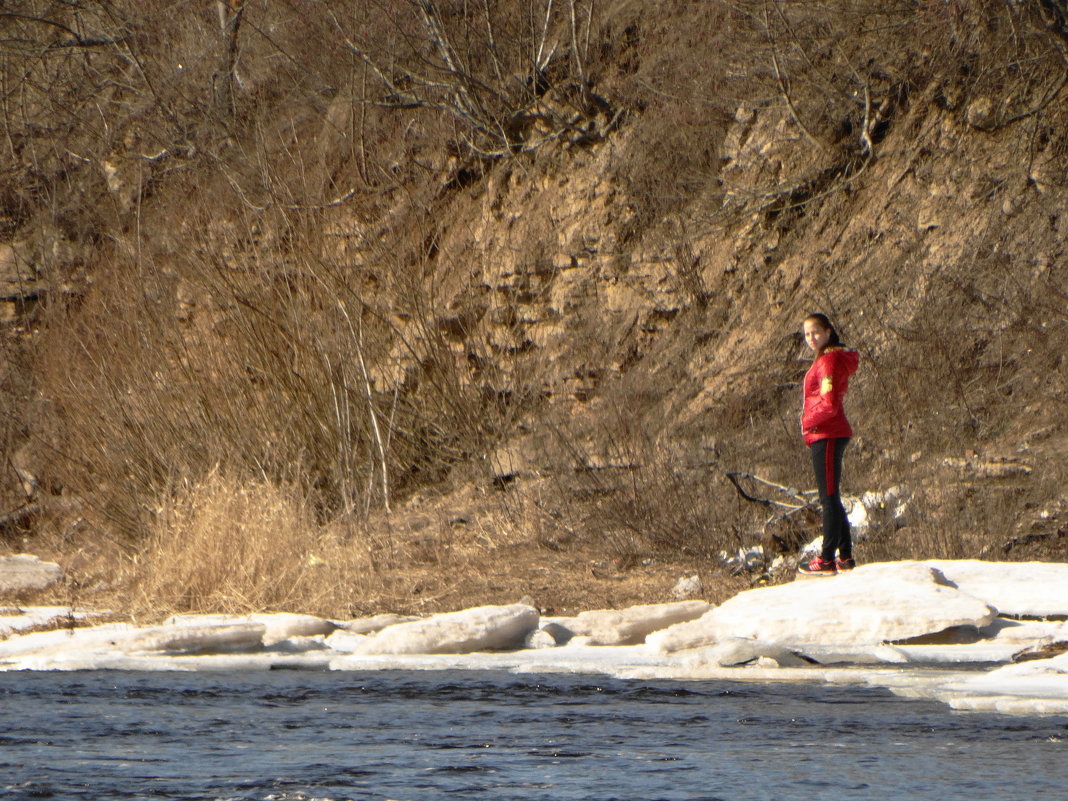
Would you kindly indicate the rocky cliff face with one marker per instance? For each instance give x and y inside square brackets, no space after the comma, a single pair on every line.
[940,254]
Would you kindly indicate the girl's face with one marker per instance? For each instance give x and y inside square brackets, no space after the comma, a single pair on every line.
[816,336]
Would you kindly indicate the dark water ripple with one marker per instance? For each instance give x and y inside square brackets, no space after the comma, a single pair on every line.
[426,736]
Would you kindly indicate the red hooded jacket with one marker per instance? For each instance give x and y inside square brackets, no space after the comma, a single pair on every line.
[826,382]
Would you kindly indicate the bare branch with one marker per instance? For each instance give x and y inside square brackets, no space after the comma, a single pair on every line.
[496,101]
[544,36]
[230,16]
[865,128]
[784,91]
[465,100]
[575,47]
[492,39]
[799,496]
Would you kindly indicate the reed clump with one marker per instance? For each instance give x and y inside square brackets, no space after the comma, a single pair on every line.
[224,545]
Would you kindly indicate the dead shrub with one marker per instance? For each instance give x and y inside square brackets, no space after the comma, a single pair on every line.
[642,491]
[274,356]
[222,545]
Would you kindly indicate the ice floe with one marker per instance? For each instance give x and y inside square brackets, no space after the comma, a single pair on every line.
[870,605]
[631,626]
[485,628]
[24,572]
[1029,589]
[276,626]
[948,630]
[1030,687]
[16,620]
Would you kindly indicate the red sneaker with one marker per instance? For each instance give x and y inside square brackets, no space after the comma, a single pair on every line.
[845,565]
[817,567]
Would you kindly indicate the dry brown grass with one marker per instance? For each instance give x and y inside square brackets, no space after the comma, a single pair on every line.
[228,546]
[237,547]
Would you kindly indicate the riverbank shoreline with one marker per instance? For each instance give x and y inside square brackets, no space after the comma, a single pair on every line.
[974,635]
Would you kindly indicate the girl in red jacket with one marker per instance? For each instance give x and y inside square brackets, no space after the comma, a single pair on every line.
[826,431]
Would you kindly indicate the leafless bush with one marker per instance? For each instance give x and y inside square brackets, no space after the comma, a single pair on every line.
[643,493]
[271,362]
[225,546]
[510,76]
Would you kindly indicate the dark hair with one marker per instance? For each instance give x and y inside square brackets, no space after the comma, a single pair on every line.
[825,324]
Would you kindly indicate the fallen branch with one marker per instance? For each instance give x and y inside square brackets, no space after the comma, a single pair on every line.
[801,498]
[1026,539]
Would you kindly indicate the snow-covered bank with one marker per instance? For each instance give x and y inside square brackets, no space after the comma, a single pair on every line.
[975,635]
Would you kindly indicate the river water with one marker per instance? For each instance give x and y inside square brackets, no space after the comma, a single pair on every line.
[424,736]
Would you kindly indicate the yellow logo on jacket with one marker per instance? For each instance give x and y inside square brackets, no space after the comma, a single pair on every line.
[826,385]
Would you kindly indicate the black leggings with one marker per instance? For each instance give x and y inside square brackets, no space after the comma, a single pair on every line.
[827,464]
